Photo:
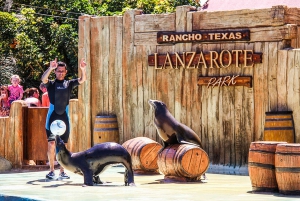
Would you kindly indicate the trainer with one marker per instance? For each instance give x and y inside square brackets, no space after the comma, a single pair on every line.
[59,92]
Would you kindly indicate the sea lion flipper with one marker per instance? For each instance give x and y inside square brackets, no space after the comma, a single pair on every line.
[179,135]
[186,135]
[88,177]
[182,141]
[163,147]
[186,142]
[97,180]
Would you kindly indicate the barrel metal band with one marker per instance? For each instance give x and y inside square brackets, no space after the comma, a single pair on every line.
[288,153]
[262,151]
[264,189]
[109,116]
[288,119]
[105,122]
[287,169]
[106,129]
[266,166]
[279,128]
[287,192]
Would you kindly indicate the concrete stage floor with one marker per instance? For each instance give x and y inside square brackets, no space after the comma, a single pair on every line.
[32,185]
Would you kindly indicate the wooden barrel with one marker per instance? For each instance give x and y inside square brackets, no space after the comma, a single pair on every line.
[287,168]
[261,165]
[183,160]
[143,153]
[106,129]
[279,126]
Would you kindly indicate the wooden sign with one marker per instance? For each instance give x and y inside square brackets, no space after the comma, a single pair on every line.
[234,80]
[211,59]
[202,36]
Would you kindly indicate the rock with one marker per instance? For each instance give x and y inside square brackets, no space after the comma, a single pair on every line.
[5,165]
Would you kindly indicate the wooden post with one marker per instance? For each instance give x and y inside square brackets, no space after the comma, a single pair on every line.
[84,92]
[14,139]
[75,137]
[129,74]
[96,68]
[181,26]
[4,131]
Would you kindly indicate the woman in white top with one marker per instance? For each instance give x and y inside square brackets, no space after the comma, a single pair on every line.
[32,99]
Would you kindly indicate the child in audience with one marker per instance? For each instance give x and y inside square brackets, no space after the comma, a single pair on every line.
[15,89]
[4,104]
[45,97]
[32,97]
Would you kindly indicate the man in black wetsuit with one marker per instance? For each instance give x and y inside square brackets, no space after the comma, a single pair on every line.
[59,91]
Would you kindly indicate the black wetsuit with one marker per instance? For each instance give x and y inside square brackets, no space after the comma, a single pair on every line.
[59,92]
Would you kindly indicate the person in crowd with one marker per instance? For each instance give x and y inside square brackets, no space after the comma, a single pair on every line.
[45,97]
[15,89]
[59,92]
[4,103]
[32,97]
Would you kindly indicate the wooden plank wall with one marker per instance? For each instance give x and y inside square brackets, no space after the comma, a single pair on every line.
[84,92]
[227,119]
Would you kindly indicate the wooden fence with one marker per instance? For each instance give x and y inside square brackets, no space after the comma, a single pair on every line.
[23,133]
[12,135]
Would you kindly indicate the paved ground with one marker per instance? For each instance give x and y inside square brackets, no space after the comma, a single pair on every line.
[31,185]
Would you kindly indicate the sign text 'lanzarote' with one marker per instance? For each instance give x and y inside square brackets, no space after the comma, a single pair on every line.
[211,59]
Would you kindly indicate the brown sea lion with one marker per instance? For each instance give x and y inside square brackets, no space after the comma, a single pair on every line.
[169,129]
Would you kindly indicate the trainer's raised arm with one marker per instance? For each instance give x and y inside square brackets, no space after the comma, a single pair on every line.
[53,65]
[82,66]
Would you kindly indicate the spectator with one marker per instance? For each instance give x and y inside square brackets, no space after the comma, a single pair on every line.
[4,103]
[15,89]
[32,97]
[45,97]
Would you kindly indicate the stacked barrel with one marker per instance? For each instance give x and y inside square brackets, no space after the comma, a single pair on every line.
[274,166]
[184,162]
[143,152]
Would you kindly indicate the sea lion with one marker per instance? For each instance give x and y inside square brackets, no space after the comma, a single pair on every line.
[92,162]
[169,129]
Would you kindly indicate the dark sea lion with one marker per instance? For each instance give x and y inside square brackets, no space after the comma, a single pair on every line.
[92,162]
[169,129]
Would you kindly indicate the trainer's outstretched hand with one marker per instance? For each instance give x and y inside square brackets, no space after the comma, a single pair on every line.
[53,64]
[82,64]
